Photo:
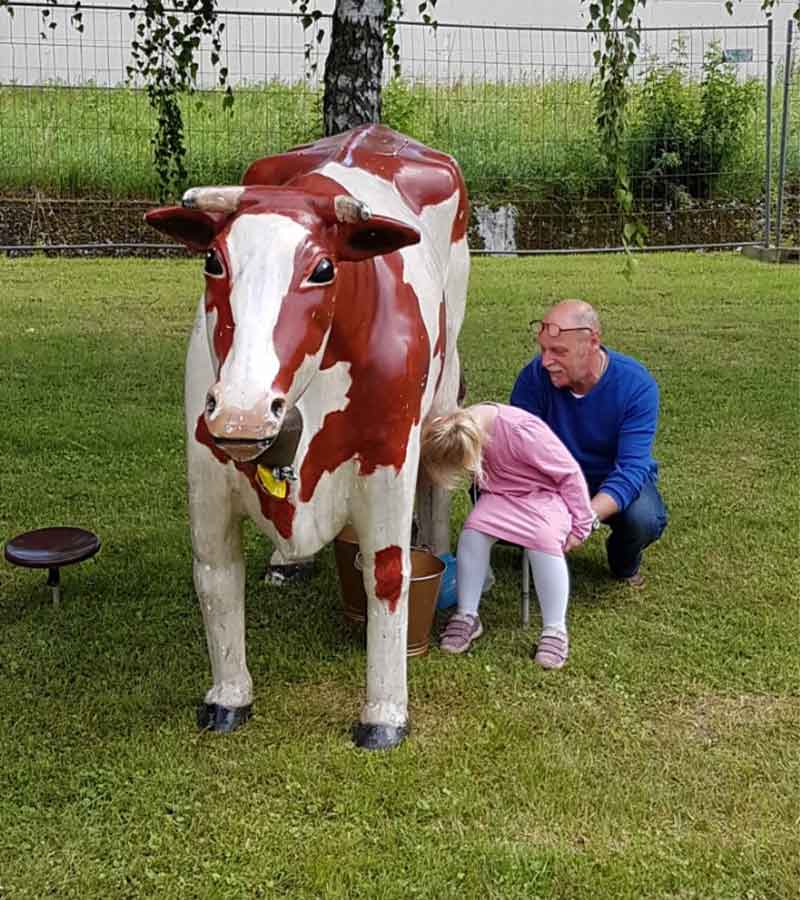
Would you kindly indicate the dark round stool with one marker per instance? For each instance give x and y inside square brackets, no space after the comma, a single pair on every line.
[51,548]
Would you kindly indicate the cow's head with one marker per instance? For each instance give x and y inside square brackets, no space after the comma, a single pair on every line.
[271,259]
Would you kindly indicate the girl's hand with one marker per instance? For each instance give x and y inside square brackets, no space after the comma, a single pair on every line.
[572,542]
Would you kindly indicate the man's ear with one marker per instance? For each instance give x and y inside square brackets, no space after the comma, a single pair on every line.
[376,236]
[192,227]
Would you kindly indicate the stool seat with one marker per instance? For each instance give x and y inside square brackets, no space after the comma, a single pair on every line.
[47,547]
[51,548]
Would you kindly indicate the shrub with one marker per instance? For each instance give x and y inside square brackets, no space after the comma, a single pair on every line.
[685,136]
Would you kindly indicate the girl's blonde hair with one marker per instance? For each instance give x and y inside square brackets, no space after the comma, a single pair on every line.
[452,448]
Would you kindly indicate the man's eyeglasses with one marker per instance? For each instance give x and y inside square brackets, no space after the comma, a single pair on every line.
[555,330]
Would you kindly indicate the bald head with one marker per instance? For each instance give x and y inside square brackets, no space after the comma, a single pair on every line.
[572,356]
[574,314]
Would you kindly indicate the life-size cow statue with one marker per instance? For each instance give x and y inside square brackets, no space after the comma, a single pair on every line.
[335,283]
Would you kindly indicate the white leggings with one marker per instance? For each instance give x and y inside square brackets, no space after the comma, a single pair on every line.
[550,578]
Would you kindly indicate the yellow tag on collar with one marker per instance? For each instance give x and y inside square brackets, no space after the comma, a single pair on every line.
[270,483]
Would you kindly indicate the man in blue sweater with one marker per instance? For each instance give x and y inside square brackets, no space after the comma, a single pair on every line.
[604,407]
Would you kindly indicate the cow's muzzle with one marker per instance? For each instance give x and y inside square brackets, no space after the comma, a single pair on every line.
[279,452]
[243,434]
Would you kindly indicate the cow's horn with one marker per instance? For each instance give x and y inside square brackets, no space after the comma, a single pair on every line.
[213,199]
[350,210]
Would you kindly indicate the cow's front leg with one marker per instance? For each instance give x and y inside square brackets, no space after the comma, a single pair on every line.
[219,578]
[384,716]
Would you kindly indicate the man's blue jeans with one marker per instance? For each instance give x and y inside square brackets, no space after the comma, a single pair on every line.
[636,527]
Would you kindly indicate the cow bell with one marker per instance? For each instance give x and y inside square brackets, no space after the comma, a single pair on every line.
[275,466]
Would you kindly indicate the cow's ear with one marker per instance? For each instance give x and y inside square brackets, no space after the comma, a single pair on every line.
[376,236]
[192,227]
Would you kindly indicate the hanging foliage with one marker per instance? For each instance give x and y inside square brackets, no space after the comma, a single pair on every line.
[164,56]
[617,35]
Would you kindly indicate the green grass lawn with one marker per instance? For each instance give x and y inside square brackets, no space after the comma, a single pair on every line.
[663,762]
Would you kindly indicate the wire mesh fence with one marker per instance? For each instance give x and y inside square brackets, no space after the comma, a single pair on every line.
[787,219]
[514,105]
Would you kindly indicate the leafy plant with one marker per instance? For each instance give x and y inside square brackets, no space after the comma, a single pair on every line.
[618,37]
[617,30]
[163,54]
[665,117]
[399,104]
[684,135]
[727,116]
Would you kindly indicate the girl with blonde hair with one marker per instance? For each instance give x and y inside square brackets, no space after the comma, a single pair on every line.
[532,493]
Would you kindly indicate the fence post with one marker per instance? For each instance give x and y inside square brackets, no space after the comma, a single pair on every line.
[768,171]
[787,72]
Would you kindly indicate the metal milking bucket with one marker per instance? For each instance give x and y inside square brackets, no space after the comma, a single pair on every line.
[426,578]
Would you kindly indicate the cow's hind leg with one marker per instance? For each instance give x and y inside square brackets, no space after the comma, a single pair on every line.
[433,516]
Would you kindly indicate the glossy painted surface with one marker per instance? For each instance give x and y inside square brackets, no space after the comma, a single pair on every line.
[384,341]
[51,547]
[335,285]
[389,575]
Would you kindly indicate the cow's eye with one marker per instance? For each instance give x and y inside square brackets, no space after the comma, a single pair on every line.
[323,273]
[213,266]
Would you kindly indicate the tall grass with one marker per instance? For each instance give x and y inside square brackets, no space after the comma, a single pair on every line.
[532,141]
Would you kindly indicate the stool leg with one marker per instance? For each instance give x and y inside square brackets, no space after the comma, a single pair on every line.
[54,582]
[525,605]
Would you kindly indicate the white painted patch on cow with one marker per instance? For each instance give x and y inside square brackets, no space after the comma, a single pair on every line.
[359,139]
[211,324]
[262,249]
[327,393]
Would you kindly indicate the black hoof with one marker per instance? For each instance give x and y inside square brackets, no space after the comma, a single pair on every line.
[379,737]
[213,717]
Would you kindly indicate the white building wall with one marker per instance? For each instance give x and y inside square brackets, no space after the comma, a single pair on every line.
[569,13]
[262,49]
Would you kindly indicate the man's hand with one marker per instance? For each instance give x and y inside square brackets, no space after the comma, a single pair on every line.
[604,506]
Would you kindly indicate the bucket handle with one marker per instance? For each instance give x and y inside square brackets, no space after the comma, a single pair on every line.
[358,561]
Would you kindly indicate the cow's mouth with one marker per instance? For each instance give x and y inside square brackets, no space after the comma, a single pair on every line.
[278,450]
[244,449]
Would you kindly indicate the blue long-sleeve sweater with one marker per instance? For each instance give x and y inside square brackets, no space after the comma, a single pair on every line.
[609,431]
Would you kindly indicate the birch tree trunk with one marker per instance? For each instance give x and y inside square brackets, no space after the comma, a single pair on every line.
[354,65]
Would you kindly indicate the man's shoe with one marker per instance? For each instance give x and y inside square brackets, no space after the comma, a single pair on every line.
[289,573]
[552,650]
[635,581]
[461,631]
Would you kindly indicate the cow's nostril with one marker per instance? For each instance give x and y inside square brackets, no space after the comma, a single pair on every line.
[277,408]
[211,404]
